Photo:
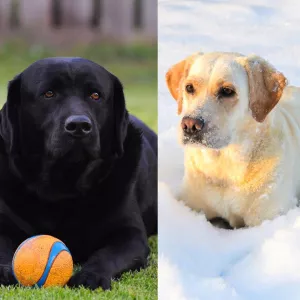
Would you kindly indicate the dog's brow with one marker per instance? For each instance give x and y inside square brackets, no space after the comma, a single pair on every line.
[55,81]
[195,78]
[91,83]
[86,76]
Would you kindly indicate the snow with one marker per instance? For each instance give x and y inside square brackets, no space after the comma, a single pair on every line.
[196,260]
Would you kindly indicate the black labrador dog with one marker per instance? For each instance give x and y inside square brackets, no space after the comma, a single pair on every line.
[75,165]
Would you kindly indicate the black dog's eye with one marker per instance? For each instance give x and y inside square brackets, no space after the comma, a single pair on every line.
[95,96]
[49,94]
[226,92]
[189,89]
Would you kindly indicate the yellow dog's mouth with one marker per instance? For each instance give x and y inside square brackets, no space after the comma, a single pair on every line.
[208,139]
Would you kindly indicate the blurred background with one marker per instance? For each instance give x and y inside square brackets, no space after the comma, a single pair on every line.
[121,35]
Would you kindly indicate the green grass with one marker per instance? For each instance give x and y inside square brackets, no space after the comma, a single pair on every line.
[135,285]
[136,66]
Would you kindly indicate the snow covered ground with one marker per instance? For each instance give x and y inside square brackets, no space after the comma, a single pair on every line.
[196,260]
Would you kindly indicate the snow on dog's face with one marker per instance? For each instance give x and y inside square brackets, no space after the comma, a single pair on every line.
[218,92]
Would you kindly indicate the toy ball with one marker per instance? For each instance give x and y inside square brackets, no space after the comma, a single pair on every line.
[42,261]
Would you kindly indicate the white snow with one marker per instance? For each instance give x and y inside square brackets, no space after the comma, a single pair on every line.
[196,260]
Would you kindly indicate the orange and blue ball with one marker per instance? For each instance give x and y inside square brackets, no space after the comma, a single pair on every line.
[42,261]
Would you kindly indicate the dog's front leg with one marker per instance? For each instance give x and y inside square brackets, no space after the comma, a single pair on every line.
[6,256]
[269,204]
[127,249]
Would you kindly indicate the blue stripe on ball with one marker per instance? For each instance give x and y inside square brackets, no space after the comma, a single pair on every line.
[57,247]
[13,260]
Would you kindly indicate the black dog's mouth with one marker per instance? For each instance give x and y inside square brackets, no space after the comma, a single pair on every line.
[79,151]
[74,149]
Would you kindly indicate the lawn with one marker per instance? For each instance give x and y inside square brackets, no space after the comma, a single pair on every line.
[136,66]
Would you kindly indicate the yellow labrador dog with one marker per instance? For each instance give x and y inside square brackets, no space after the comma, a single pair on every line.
[240,128]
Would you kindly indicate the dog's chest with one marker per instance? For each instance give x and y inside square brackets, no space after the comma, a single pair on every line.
[81,226]
[223,187]
[214,198]
[79,223]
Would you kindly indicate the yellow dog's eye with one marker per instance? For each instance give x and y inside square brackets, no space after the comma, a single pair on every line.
[226,92]
[190,89]
[95,96]
[49,94]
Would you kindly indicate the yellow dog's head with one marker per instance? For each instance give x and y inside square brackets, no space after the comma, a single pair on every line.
[216,92]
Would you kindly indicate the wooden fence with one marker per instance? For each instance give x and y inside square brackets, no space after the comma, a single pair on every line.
[75,21]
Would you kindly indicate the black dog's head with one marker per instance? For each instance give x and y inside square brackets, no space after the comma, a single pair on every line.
[65,107]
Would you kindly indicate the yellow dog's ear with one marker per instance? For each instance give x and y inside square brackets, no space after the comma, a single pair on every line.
[175,76]
[266,86]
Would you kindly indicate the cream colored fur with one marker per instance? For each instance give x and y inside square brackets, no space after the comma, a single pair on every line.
[255,174]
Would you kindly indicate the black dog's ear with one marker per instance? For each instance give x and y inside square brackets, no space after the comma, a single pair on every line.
[9,128]
[120,117]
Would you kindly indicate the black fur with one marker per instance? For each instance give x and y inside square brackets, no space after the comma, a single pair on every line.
[98,195]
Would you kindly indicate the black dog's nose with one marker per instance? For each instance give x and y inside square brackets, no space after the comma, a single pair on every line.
[78,125]
[192,125]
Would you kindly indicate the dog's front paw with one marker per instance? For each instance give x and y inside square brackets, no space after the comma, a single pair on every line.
[6,275]
[90,280]
[220,223]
